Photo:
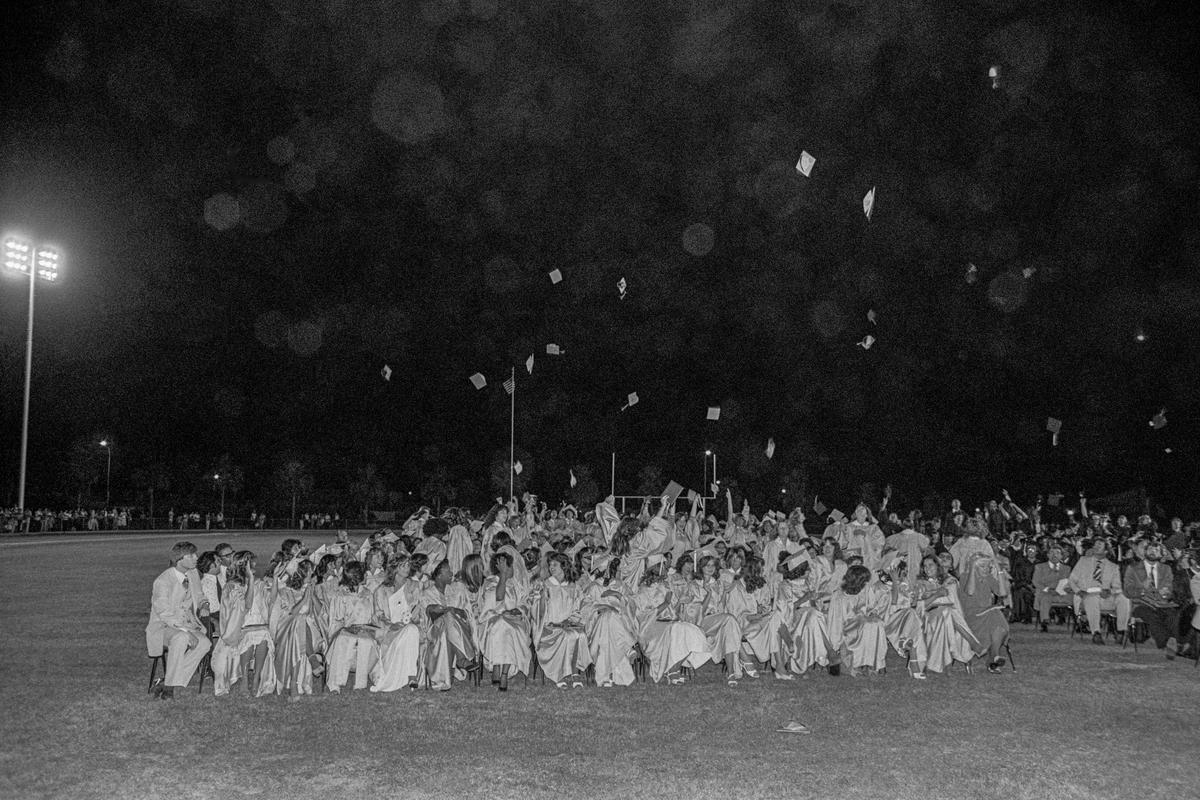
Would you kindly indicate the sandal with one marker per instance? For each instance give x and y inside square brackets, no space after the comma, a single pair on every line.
[676,678]
[560,684]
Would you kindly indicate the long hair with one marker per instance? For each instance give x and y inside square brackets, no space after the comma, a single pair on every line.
[491,515]
[417,562]
[857,577]
[570,575]
[501,539]
[941,570]
[705,561]
[752,574]
[626,530]
[298,578]
[327,564]
[837,548]
[614,568]
[471,573]
[352,576]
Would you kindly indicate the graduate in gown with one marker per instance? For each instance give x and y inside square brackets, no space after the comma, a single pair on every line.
[805,640]
[504,620]
[245,634]
[562,646]
[352,646]
[704,604]
[752,601]
[610,620]
[396,613]
[298,638]
[450,608]
[668,642]
[947,636]
[905,632]
[862,536]
[856,621]
[981,595]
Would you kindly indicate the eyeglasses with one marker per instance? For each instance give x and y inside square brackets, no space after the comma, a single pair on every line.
[225,555]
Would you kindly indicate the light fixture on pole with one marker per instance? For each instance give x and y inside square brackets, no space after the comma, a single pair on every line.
[217,478]
[36,262]
[107,445]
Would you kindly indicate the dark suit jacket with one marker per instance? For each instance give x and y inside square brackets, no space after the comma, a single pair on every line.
[1140,589]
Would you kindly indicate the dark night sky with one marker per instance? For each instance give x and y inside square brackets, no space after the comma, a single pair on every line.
[262,203]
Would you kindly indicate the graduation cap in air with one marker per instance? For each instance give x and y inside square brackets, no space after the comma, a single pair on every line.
[553,350]
[632,400]
[555,276]
[573,480]
[1160,420]
[770,448]
[819,508]
[869,203]
[714,413]
[805,165]
[837,516]
[386,372]
[621,287]
[529,364]
[867,341]
[478,381]
[517,468]
[1054,426]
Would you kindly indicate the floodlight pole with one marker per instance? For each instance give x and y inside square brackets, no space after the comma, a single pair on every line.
[512,433]
[28,379]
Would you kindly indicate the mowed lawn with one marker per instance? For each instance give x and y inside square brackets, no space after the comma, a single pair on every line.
[1075,720]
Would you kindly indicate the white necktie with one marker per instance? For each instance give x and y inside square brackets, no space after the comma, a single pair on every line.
[1153,576]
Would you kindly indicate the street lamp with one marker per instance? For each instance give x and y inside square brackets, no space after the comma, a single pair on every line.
[36,262]
[217,478]
[107,445]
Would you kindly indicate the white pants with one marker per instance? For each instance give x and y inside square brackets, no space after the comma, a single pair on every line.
[183,660]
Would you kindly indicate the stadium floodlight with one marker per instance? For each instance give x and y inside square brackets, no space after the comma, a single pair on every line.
[36,261]
[107,445]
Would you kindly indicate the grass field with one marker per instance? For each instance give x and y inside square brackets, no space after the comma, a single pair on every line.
[1075,720]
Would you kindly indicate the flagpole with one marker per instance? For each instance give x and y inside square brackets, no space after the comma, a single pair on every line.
[612,486]
[512,438]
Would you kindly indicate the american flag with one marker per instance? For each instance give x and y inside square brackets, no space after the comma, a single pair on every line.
[510,385]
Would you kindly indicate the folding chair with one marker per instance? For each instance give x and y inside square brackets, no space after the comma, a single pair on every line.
[154,662]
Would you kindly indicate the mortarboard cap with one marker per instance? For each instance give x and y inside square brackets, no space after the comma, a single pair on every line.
[867,341]
[819,508]
[478,381]
[770,448]
[1160,420]
[632,400]
[553,350]
[529,364]
[837,515]
[714,413]
[517,468]
[805,164]
[386,372]
[869,203]
[555,275]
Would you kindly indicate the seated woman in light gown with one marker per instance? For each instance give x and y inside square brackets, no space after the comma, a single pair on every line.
[752,601]
[562,646]
[805,638]
[981,595]
[704,605]
[504,620]
[829,570]
[947,636]
[449,609]
[668,643]
[397,611]
[609,618]
[856,622]
[298,638]
[904,621]
[352,644]
[245,633]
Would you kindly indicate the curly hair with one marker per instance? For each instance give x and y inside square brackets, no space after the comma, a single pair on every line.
[857,578]
[298,578]
[752,574]
[570,575]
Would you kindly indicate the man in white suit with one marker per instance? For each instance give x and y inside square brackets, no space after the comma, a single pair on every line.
[1096,582]
[173,622]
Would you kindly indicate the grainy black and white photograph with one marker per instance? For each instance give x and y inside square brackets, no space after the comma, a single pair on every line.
[554,399]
